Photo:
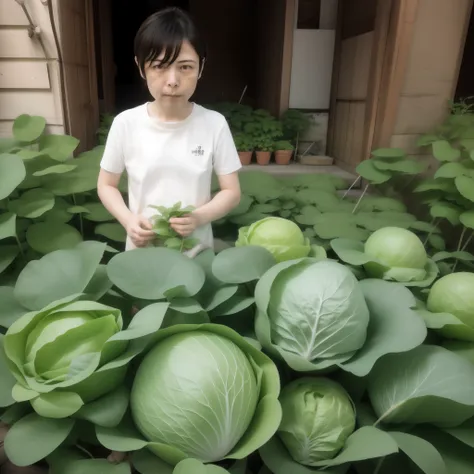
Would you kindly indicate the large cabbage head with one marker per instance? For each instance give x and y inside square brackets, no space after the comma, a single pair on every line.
[454,294]
[64,356]
[397,254]
[204,392]
[281,237]
[318,417]
[311,313]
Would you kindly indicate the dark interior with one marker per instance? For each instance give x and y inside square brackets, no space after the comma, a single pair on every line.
[228,27]
[465,86]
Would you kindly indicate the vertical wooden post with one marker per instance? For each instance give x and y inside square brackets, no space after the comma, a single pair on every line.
[287,53]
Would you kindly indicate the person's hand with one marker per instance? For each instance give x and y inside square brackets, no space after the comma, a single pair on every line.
[139,230]
[185,225]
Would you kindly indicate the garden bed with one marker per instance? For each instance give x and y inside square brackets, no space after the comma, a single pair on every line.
[334,333]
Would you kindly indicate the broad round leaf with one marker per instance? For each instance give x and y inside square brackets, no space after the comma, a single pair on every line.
[56,169]
[404,166]
[447,211]
[368,171]
[242,264]
[7,381]
[58,275]
[112,231]
[465,187]
[147,463]
[12,173]
[57,404]
[10,309]
[33,438]
[389,153]
[7,225]
[467,219]
[28,128]
[33,203]
[393,328]
[149,273]
[450,170]
[421,452]
[426,385]
[97,212]
[443,151]
[8,253]
[46,237]
[58,147]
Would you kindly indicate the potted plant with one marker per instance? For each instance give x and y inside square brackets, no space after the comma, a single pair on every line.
[294,124]
[283,152]
[263,149]
[245,146]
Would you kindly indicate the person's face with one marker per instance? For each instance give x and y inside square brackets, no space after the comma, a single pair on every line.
[175,82]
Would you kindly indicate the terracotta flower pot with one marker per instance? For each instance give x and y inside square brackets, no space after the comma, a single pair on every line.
[245,157]
[263,157]
[283,157]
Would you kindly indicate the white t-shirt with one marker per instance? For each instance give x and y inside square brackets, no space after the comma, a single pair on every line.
[167,162]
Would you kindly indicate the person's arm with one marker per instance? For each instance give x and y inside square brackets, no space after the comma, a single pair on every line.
[137,227]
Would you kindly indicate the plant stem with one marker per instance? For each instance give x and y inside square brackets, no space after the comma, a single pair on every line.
[360,199]
[379,465]
[433,223]
[351,186]
[468,241]
[84,450]
[81,223]
[459,248]
[19,246]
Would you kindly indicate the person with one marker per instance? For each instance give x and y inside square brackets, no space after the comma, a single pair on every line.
[169,147]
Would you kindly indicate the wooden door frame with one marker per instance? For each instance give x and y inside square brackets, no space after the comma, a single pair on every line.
[393,34]
[287,54]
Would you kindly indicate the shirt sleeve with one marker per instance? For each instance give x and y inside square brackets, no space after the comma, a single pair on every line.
[226,158]
[113,159]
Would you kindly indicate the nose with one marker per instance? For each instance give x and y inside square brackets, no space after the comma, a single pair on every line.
[172,79]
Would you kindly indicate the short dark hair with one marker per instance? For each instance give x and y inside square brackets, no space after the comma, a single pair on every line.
[165,31]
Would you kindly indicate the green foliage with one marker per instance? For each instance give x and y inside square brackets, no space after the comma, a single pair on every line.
[166,235]
[283,145]
[244,142]
[295,123]
[48,197]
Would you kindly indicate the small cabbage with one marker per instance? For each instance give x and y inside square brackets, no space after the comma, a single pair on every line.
[318,417]
[398,255]
[281,237]
[454,294]
[312,313]
[60,356]
[203,392]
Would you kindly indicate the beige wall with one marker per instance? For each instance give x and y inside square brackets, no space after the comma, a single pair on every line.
[431,76]
[29,74]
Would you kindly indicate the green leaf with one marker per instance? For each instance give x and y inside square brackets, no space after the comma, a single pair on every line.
[114,232]
[46,237]
[421,452]
[450,170]
[108,410]
[147,463]
[33,438]
[458,255]
[465,186]
[194,466]
[10,309]
[12,173]
[389,153]
[63,461]
[368,171]
[33,203]
[8,253]
[58,147]
[463,432]
[58,275]
[426,385]
[405,166]
[28,128]
[7,225]
[446,210]
[393,328]
[56,169]
[443,151]
[148,273]
[424,226]
[466,219]
[7,381]
[97,213]
[124,437]
[77,210]
[445,185]
[238,265]
[57,404]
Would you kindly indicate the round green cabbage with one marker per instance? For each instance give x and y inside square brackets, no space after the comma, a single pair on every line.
[318,417]
[197,393]
[281,237]
[312,313]
[398,252]
[454,294]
